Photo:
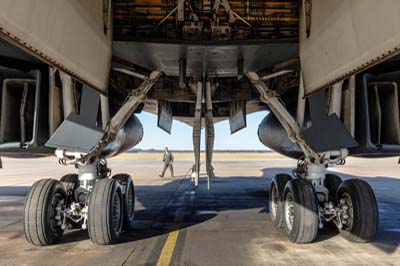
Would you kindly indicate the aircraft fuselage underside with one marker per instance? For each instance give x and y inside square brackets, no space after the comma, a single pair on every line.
[199,62]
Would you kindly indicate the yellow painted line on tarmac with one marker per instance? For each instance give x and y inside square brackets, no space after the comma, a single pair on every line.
[168,249]
[169,246]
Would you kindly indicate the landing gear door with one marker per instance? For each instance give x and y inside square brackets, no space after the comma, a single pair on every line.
[70,35]
[237,116]
[80,132]
[339,38]
[165,116]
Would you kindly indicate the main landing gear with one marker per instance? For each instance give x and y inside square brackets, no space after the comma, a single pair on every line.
[105,208]
[302,204]
[90,200]
[301,211]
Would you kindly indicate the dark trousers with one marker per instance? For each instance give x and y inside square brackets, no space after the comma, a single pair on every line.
[171,169]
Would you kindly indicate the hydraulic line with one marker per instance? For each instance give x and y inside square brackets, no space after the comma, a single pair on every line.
[260,19]
[254,10]
[143,17]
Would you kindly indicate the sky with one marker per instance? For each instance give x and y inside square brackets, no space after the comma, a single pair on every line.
[181,135]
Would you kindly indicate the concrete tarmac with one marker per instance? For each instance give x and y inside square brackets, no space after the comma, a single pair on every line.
[177,224]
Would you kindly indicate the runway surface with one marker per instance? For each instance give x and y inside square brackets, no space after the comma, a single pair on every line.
[178,224]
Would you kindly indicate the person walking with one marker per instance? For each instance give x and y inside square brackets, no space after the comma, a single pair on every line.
[168,160]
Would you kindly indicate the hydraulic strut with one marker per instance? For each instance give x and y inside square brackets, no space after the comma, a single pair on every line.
[313,166]
[197,131]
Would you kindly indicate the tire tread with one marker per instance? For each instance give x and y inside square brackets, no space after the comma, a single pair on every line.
[35,223]
[306,228]
[364,207]
[100,210]
[279,181]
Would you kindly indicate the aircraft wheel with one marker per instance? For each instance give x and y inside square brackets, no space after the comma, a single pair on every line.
[128,189]
[300,211]
[332,183]
[360,211]
[43,212]
[275,198]
[105,214]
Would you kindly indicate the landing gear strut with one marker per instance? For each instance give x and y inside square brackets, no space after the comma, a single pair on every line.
[90,200]
[203,92]
[304,203]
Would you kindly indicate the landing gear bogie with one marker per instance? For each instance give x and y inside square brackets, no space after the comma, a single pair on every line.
[97,202]
[315,197]
[351,205]
[104,209]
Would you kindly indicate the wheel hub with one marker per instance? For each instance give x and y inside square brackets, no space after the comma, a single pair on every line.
[116,212]
[274,201]
[347,212]
[56,209]
[289,210]
[130,202]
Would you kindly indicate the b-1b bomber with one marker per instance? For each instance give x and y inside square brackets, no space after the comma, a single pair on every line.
[74,74]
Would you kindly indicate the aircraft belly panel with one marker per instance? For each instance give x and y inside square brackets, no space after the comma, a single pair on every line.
[347,37]
[67,34]
[219,60]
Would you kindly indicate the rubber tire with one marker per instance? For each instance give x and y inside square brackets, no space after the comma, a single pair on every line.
[305,222]
[365,208]
[126,181]
[332,183]
[100,225]
[36,219]
[278,182]
[72,180]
